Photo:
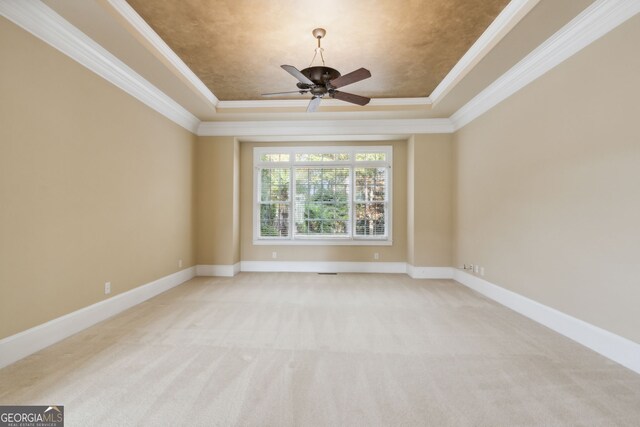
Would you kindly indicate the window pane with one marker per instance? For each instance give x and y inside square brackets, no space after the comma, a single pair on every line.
[371,157]
[321,157]
[322,201]
[370,184]
[370,219]
[274,220]
[274,184]
[274,157]
[309,157]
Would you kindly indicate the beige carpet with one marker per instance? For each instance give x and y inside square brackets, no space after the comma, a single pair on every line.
[286,349]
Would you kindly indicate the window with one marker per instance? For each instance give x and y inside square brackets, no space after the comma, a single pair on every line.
[322,195]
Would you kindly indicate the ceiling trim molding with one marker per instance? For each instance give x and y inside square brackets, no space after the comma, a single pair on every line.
[295,103]
[325,127]
[41,21]
[140,25]
[593,23]
[321,138]
[500,27]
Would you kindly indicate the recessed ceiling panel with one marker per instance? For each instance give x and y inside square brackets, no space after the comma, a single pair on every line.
[236,47]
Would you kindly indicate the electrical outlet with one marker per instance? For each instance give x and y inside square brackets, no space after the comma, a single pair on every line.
[476,269]
[107,288]
[274,255]
[482,271]
[376,255]
[179,263]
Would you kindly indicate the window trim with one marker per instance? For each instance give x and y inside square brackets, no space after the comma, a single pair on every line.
[292,164]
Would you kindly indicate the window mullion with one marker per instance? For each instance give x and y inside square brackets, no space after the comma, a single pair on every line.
[256,201]
[386,201]
[352,223]
[386,219]
[292,197]
[353,199]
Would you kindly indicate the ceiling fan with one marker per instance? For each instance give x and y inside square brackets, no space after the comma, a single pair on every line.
[321,81]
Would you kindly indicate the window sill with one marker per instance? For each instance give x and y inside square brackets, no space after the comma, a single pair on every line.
[323,242]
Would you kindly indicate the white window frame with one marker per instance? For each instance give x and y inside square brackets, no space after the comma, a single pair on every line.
[292,164]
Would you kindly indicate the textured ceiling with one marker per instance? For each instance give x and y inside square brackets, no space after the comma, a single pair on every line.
[237,46]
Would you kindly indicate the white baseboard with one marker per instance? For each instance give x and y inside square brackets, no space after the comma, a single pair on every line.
[218,270]
[324,266]
[429,272]
[610,345]
[20,345]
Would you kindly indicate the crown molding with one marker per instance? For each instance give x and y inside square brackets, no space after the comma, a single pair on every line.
[319,138]
[593,23]
[145,30]
[302,103]
[504,22]
[41,21]
[324,127]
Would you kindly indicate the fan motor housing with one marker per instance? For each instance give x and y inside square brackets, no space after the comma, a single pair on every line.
[320,75]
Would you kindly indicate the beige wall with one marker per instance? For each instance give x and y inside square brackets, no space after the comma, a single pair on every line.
[94,186]
[548,187]
[430,185]
[396,252]
[236,202]
[542,190]
[410,200]
[217,201]
[223,180]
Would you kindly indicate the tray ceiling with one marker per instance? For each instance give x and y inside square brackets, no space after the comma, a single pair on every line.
[236,47]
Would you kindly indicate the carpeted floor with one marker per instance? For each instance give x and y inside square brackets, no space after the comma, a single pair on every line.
[293,349]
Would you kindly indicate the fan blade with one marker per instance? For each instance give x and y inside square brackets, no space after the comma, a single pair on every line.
[297,74]
[314,104]
[352,77]
[349,97]
[285,93]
